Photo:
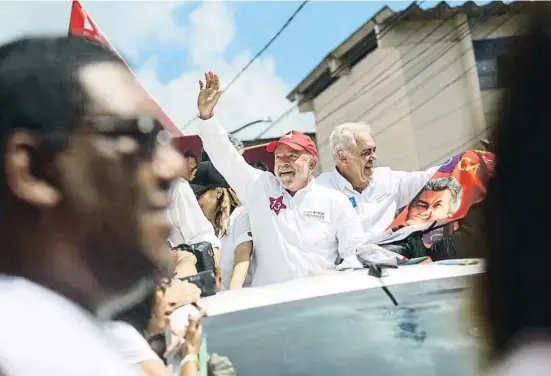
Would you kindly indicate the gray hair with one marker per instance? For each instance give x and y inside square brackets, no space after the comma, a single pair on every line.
[343,137]
[441,184]
[238,145]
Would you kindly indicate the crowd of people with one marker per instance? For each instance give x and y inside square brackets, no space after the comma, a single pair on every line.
[108,232]
[287,224]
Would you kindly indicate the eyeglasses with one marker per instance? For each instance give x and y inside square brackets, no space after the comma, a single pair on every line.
[147,131]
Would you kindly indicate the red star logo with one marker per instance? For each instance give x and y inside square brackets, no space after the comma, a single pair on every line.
[276,204]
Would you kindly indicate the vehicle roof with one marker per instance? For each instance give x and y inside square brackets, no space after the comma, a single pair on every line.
[329,284]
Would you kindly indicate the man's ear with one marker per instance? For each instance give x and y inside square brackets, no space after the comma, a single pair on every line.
[313,164]
[342,157]
[20,177]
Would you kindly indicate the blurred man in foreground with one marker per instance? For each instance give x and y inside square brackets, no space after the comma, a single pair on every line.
[84,180]
[297,225]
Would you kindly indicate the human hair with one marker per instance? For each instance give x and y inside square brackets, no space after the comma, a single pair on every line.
[190,154]
[259,165]
[40,88]
[514,289]
[343,138]
[226,204]
[441,184]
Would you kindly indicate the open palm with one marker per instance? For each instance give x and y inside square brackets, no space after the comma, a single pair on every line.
[209,93]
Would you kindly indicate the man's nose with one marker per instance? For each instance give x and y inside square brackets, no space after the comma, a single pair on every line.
[167,163]
[428,213]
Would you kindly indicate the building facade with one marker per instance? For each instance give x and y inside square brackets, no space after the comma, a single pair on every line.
[427,81]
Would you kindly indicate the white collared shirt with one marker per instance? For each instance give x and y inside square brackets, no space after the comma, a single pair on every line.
[44,333]
[188,223]
[292,235]
[388,191]
[239,231]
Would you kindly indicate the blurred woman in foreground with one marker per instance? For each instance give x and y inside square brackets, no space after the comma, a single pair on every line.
[514,299]
[230,220]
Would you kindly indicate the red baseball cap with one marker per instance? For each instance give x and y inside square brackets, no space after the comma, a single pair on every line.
[295,140]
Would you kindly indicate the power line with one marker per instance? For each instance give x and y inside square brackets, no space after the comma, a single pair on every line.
[446,114]
[430,78]
[456,149]
[463,29]
[370,85]
[280,117]
[445,86]
[449,84]
[445,67]
[341,67]
[404,13]
[297,11]
[259,53]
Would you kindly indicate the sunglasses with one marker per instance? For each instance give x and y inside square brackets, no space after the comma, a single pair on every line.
[147,131]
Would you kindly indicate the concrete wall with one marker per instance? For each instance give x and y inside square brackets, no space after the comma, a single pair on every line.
[419,91]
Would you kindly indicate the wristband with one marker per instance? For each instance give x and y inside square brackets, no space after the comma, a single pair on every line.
[200,118]
[190,358]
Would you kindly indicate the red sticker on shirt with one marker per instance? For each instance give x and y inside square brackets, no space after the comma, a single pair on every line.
[276,204]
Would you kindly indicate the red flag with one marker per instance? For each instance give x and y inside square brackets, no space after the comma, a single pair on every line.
[82,25]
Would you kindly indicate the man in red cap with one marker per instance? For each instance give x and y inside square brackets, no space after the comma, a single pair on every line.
[298,227]
[296,158]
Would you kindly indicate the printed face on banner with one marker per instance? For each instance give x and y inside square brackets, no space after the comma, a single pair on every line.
[430,206]
[451,191]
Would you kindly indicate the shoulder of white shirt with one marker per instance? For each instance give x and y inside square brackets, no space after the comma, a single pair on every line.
[45,333]
[129,343]
[330,192]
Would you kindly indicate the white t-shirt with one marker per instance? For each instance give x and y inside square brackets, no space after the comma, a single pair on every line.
[188,223]
[388,191]
[239,231]
[43,333]
[129,343]
[293,235]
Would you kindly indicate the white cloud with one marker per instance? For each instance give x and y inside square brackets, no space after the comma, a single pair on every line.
[258,94]
[142,28]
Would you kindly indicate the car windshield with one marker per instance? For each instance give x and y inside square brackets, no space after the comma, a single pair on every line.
[357,333]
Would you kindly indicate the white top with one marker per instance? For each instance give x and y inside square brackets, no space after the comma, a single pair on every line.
[43,333]
[292,235]
[388,191]
[239,231]
[188,223]
[129,343]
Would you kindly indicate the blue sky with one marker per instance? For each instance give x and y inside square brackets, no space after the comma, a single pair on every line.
[171,43]
[318,29]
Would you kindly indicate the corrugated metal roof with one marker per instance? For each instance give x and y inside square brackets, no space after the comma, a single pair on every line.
[347,54]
